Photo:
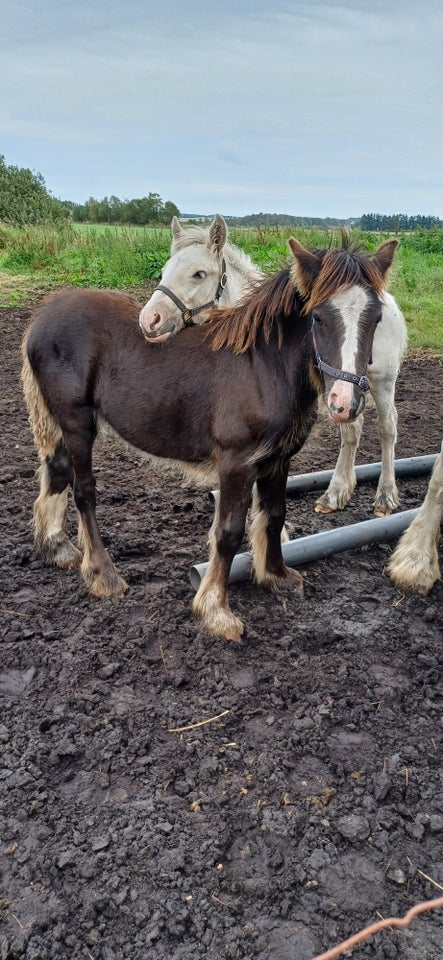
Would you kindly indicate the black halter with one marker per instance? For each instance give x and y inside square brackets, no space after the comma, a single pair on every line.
[188,313]
[362,382]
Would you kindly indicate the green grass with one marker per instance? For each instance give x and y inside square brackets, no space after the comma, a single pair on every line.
[92,256]
[101,256]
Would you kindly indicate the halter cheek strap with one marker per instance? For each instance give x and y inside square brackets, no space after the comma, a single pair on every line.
[362,382]
[188,313]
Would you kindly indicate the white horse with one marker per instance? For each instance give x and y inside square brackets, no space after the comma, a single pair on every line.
[414,563]
[206,269]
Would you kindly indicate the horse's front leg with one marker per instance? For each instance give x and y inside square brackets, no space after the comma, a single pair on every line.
[269,512]
[343,480]
[211,600]
[97,569]
[386,497]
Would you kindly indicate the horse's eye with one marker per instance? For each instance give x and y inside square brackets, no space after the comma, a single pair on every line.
[200,275]
[316,318]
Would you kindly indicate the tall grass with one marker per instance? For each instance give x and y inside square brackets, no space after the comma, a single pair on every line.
[112,257]
[126,256]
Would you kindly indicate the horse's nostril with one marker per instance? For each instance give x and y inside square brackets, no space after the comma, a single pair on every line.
[155,322]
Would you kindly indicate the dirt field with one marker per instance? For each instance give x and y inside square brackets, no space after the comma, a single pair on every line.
[311,807]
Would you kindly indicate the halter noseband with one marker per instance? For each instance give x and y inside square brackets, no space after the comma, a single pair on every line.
[188,313]
[362,382]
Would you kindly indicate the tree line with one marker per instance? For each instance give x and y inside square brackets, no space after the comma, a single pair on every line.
[288,220]
[24,198]
[141,211]
[397,222]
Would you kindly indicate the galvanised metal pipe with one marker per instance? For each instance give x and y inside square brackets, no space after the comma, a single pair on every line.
[301,483]
[318,545]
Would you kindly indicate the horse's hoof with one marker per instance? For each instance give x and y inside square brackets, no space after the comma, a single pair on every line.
[385,503]
[231,628]
[69,557]
[380,511]
[321,507]
[58,551]
[106,584]
[295,580]
[289,580]
[420,586]
[226,625]
[412,569]
[234,635]
[385,506]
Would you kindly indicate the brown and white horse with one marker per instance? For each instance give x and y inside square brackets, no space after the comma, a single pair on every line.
[206,268]
[233,400]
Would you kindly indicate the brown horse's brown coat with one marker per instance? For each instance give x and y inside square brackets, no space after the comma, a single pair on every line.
[236,395]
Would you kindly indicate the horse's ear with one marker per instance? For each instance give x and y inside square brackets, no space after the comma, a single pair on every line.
[176,228]
[306,267]
[218,233]
[384,256]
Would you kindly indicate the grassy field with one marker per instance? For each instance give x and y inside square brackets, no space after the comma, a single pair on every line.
[45,256]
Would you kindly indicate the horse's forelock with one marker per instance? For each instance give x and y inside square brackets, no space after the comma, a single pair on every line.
[188,237]
[340,270]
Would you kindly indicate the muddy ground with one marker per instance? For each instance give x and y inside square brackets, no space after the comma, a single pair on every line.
[311,807]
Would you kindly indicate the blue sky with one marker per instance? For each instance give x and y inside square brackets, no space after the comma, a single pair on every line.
[316,108]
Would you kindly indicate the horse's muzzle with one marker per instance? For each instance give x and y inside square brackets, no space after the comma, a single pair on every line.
[159,338]
[348,413]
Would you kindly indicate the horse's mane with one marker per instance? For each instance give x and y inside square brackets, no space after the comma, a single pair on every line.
[289,291]
[341,268]
[261,309]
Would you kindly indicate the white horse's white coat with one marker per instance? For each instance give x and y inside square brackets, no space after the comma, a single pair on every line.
[414,563]
[193,272]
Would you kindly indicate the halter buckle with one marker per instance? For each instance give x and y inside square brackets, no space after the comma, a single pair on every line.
[187,316]
[364,384]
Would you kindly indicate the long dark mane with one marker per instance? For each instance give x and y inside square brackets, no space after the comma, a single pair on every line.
[261,310]
[280,296]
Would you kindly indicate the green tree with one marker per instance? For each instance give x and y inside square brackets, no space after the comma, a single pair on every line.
[24,197]
[169,211]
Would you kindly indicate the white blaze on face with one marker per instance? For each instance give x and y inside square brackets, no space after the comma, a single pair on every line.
[350,304]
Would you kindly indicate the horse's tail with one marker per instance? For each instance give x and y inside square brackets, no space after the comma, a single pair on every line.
[46,430]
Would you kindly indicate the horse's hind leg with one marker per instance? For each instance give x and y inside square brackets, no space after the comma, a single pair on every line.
[343,480]
[56,474]
[269,511]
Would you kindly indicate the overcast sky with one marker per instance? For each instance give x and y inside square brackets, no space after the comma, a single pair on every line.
[317,108]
